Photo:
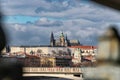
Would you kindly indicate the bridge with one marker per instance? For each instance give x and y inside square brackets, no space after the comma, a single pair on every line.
[66,72]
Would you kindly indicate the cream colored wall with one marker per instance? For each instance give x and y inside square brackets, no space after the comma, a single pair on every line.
[16,49]
[72,51]
[34,49]
[45,50]
[28,49]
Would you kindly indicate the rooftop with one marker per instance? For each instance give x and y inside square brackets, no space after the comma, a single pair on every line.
[84,47]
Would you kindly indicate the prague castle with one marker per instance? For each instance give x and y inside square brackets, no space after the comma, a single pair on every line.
[63,41]
[61,52]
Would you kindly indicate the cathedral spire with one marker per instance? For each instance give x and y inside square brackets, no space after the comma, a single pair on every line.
[78,42]
[66,37]
[52,41]
[52,37]
[66,41]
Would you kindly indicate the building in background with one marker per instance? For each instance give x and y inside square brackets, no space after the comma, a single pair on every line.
[83,55]
[62,41]
[61,52]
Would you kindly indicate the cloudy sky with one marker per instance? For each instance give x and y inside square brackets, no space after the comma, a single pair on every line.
[30,22]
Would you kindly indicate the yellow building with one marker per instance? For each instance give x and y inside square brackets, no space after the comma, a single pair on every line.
[48,61]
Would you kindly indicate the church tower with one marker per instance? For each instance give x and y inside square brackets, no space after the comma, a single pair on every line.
[66,41]
[52,40]
[62,40]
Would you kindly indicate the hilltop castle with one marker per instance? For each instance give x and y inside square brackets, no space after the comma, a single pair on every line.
[63,41]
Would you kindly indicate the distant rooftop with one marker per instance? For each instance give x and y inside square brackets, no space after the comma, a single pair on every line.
[84,47]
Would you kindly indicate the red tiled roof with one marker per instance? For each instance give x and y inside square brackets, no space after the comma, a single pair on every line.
[84,47]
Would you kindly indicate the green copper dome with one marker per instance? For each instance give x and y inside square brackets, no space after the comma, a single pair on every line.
[62,35]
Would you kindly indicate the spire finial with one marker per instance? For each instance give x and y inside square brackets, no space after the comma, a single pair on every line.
[52,40]
[52,36]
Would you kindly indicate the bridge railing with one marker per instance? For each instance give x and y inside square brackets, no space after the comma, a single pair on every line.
[65,70]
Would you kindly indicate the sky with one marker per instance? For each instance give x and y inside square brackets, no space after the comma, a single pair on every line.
[30,22]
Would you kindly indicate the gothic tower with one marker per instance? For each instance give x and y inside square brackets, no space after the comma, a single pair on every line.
[66,41]
[52,40]
[62,40]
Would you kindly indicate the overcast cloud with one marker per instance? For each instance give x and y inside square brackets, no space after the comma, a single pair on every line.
[78,19]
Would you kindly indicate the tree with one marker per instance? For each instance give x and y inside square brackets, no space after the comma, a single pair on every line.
[31,52]
[39,51]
